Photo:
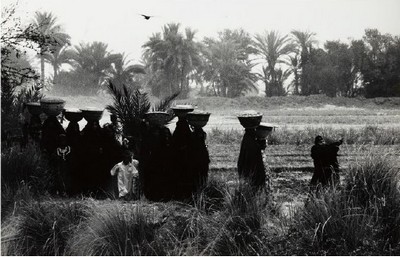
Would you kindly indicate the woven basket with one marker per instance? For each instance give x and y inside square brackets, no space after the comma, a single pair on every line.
[250,121]
[198,119]
[92,114]
[182,110]
[34,108]
[264,130]
[73,115]
[52,106]
[157,118]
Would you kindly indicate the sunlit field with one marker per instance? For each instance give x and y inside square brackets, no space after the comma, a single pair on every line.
[224,219]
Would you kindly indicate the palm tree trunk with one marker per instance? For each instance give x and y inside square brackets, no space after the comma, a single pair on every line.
[55,73]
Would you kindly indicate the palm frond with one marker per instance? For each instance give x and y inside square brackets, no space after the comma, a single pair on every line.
[165,103]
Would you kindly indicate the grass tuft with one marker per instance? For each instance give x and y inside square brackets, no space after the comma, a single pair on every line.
[43,229]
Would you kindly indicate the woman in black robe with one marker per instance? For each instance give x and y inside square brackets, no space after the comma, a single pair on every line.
[250,164]
[51,130]
[199,158]
[181,161]
[73,134]
[93,171]
[157,177]
[326,166]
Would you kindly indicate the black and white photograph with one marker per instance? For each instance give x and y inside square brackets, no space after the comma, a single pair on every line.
[200,128]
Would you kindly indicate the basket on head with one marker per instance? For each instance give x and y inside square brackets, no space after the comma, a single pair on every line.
[92,113]
[250,119]
[73,114]
[52,106]
[34,108]
[198,119]
[157,118]
[182,110]
[264,129]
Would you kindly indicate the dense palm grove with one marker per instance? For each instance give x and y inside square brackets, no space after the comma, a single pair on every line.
[229,65]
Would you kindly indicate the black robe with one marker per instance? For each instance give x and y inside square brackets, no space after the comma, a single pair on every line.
[199,158]
[250,163]
[326,166]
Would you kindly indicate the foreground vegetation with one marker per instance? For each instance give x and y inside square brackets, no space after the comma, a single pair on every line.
[359,218]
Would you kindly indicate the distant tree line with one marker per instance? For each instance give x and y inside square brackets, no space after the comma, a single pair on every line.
[230,65]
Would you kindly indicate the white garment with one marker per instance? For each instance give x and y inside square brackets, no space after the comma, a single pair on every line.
[126,174]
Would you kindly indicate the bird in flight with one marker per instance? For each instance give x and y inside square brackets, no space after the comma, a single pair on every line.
[146,17]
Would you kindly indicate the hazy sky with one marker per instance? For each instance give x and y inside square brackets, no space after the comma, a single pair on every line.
[118,23]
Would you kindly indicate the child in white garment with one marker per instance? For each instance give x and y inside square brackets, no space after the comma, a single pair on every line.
[127,174]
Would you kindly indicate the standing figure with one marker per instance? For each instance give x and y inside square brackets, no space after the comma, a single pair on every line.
[156,168]
[326,166]
[51,130]
[74,141]
[200,158]
[127,175]
[181,162]
[64,165]
[93,169]
[250,164]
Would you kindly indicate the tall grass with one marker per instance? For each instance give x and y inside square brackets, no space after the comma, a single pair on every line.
[234,228]
[43,228]
[285,136]
[25,175]
[360,218]
[376,186]
[113,230]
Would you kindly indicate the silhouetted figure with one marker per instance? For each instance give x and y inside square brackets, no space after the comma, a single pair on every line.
[157,176]
[183,174]
[51,130]
[112,153]
[199,158]
[64,165]
[250,164]
[326,166]
[93,169]
[74,138]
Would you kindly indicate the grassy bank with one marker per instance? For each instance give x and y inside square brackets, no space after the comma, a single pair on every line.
[220,104]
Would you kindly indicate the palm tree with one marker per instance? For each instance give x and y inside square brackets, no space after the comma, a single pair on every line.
[304,41]
[227,66]
[46,25]
[173,59]
[272,47]
[294,66]
[94,60]
[57,56]
[122,72]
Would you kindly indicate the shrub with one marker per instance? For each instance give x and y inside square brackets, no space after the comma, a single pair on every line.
[112,230]
[25,175]
[339,226]
[375,185]
[26,165]
[44,228]
[212,197]
[360,218]
[241,232]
